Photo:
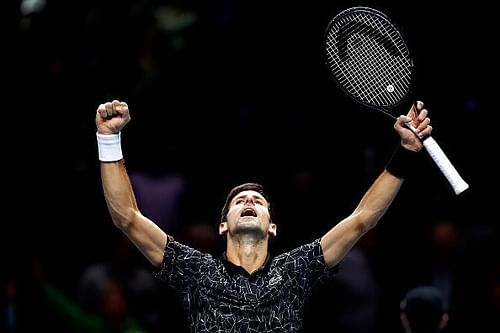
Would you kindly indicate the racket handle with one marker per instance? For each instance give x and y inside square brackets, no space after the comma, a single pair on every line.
[444,164]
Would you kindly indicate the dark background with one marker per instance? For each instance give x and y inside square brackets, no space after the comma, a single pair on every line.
[223,92]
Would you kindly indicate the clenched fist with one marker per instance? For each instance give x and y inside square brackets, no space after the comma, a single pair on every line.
[111,117]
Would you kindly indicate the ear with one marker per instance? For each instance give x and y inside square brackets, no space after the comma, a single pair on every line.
[222,228]
[272,229]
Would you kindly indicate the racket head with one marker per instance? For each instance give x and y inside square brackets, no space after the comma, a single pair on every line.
[369,58]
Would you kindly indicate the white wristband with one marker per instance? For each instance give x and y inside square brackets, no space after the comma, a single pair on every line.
[109,147]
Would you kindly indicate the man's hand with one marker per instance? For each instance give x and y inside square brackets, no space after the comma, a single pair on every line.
[111,117]
[417,118]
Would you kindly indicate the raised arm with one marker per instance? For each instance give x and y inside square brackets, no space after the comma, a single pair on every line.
[342,237]
[111,117]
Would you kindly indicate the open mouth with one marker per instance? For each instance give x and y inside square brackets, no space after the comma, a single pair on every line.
[248,212]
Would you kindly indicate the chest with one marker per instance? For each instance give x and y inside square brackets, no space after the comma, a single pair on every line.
[239,289]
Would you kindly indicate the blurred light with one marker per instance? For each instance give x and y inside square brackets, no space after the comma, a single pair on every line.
[174,19]
[31,6]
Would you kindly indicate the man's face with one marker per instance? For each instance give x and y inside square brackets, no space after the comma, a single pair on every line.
[248,214]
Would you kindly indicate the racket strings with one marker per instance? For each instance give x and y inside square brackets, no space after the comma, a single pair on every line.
[385,69]
[380,62]
[369,59]
[373,71]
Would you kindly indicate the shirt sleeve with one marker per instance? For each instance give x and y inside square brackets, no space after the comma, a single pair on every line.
[181,265]
[308,260]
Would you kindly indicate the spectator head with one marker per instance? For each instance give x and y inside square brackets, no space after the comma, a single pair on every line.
[424,309]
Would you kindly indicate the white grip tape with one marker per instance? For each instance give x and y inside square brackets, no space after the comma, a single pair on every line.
[109,147]
[444,164]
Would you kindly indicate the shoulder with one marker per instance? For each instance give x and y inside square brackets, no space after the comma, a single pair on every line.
[305,251]
[179,257]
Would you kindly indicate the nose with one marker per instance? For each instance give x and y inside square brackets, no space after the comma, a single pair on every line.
[249,200]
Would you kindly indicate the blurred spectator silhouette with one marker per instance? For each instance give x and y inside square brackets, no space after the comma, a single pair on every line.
[106,286]
[115,315]
[159,197]
[445,242]
[494,309]
[354,303]
[476,306]
[202,236]
[358,290]
[38,301]
[9,306]
[433,257]
[424,310]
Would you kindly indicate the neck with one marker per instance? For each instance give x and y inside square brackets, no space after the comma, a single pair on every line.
[247,252]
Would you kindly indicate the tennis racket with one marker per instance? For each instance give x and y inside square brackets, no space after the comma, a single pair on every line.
[371,63]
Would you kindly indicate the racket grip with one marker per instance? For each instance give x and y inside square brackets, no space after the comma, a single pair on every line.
[444,164]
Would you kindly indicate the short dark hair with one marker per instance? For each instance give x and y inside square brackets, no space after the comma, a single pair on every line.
[240,188]
[424,307]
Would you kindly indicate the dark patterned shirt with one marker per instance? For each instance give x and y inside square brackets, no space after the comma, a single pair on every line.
[222,297]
